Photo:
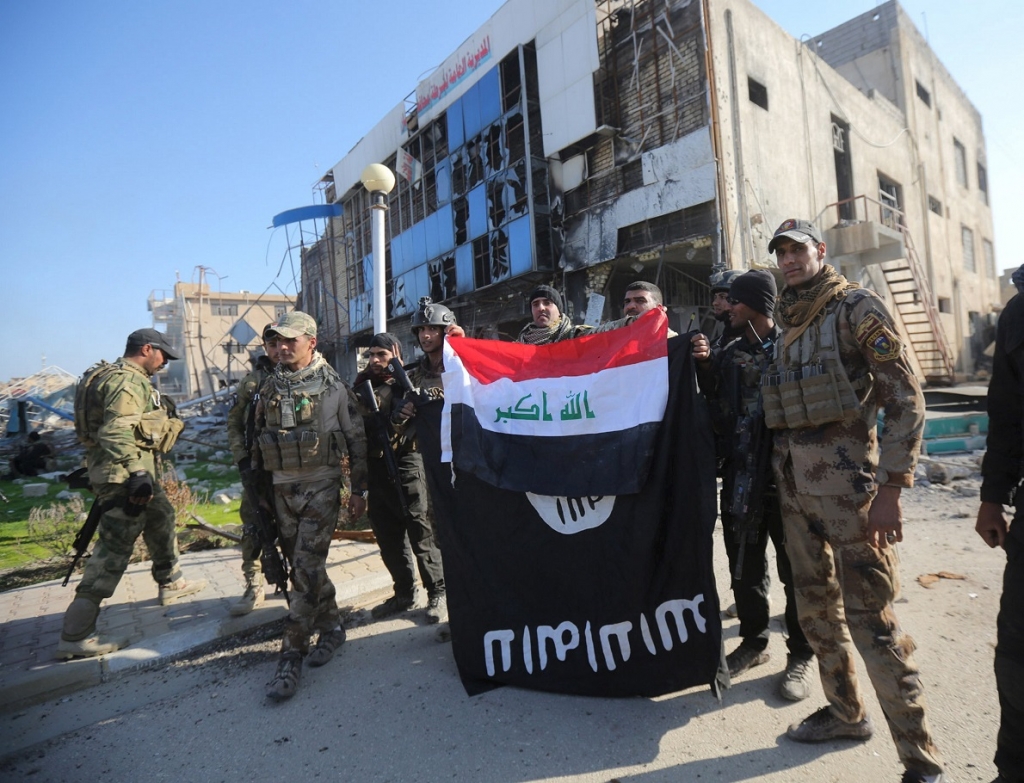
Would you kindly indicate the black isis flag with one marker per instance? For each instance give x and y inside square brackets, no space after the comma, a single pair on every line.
[609,595]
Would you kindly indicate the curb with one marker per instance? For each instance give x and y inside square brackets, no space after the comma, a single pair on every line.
[57,678]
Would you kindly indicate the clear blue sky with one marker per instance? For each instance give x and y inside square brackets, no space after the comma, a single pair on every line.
[140,140]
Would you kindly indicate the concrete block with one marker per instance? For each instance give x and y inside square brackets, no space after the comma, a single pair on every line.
[34,490]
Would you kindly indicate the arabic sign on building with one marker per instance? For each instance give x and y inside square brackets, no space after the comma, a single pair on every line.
[473,54]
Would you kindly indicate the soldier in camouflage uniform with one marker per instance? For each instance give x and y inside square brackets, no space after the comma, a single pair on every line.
[839,361]
[240,420]
[306,422]
[399,529]
[123,422]
[730,377]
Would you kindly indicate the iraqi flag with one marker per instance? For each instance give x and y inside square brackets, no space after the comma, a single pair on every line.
[583,592]
[513,409]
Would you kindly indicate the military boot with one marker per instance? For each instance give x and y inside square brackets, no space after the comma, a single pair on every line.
[437,607]
[326,644]
[286,678]
[399,602]
[253,597]
[78,637]
[180,588]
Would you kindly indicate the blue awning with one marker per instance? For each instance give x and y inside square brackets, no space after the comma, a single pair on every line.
[307,213]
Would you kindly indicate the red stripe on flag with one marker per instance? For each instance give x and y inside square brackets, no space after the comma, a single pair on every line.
[490,360]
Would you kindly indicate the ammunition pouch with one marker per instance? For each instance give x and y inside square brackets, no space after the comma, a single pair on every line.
[285,450]
[156,431]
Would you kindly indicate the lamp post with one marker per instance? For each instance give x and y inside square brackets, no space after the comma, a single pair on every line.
[378,180]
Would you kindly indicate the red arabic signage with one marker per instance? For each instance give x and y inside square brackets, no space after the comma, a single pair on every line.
[462,65]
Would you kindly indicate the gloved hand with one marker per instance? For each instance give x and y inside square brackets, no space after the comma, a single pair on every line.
[140,491]
[245,466]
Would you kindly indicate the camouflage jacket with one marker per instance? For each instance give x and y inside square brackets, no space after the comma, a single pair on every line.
[119,400]
[849,456]
[238,416]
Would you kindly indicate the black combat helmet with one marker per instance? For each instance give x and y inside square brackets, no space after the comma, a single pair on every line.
[430,314]
[722,280]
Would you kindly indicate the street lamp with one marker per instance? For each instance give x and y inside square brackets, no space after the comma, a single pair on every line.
[379,181]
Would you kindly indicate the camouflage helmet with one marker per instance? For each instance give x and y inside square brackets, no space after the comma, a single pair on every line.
[430,314]
[721,281]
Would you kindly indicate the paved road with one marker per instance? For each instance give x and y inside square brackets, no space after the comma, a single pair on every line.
[390,706]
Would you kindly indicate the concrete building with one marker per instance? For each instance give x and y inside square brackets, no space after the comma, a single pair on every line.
[217,332]
[591,143]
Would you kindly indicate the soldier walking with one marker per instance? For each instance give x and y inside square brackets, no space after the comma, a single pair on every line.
[124,422]
[306,422]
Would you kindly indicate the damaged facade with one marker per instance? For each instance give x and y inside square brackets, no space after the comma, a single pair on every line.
[591,143]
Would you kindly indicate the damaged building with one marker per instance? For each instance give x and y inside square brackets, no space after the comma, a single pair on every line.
[591,143]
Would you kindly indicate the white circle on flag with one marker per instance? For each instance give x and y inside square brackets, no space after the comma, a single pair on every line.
[571,515]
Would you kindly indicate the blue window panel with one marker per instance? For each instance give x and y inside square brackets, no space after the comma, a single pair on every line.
[445,228]
[407,257]
[359,315]
[464,269]
[443,181]
[471,112]
[418,249]
[408,289]
[456,137]
[520,248]
[477,200]
[433,240]
[489,97]
[368,271]
[398,263]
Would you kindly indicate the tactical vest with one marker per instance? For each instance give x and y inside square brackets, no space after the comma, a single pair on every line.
[291,438]
[808,385]
[157,430]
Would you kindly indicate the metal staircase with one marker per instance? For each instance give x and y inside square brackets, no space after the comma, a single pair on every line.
[912,295]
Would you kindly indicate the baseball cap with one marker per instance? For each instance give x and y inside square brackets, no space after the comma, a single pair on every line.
[797,230]
[141,337]
[292,325]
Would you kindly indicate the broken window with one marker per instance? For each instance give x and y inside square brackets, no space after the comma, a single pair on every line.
[511,81]
[891,197]
[442,278]
[500,267]
[935,205]
[757,93]
[983,183]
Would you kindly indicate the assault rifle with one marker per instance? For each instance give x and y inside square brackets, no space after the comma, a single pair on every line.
[85,534]
[382,435]
[264,529]
[409,392]
[752,457]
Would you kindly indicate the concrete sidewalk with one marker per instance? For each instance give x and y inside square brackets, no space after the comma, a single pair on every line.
[31,617]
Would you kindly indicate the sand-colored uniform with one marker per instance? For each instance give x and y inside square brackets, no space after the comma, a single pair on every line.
[850,362]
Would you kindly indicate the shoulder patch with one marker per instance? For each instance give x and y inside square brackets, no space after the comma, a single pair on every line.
[876,336]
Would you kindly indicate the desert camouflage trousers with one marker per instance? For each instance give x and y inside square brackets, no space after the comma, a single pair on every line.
[844,594]
[307,513]
[250,543]
[116,537]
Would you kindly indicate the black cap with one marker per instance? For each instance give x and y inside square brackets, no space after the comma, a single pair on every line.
[798,230]
[547,292]
[756,289]
[141,337]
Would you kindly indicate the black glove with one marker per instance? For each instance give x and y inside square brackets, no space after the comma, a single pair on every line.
[140,488]
[245,466]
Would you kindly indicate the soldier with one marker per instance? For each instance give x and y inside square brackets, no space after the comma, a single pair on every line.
[431,323]
[123,422]
[640,297]
[840,360]
[306,422]
[241,425]
[399,523]
[1000,487]
[730,377]
[720,308]
[549,325]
